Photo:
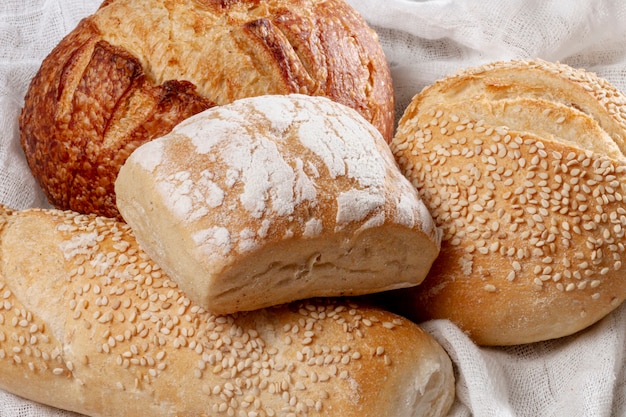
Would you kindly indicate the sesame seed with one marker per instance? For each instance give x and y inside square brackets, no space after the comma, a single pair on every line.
[490,288]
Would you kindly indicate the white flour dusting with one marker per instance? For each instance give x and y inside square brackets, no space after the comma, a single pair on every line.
[215,242]
[209,190]
[406,208]
[313,227]
[356,205]
[316,135]
[151,155]
[207,133]
[304,187]
[256,160]
[247,240]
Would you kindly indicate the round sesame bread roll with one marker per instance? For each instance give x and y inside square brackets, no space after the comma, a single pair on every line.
[89,323]
[529,196]
[135,68]
[272,199]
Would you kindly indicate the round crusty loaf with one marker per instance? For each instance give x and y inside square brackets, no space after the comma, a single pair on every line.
[89,323]
[521,165]
[272,199]
[135,68]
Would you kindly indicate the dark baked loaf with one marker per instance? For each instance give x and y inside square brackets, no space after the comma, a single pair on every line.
[134,69]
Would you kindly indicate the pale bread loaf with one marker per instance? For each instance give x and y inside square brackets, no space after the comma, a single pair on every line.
[538,79]
[276,198]
[89,323]
[531,206]
[135,68]
[543,118]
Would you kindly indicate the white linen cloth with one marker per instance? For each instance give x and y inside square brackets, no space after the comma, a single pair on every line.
[581,375]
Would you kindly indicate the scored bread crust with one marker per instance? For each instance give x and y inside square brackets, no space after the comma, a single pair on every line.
[552,81]
[272,199]
[532,214]
[136,68]
[89,323]
[544,118]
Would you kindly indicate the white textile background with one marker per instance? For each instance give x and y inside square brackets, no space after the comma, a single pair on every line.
[581,375]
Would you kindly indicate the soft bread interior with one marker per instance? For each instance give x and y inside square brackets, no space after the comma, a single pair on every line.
[369,261]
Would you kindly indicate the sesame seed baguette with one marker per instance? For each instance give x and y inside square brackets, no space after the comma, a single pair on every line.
[533,226]
[89,323]
[550,81]
[272,199]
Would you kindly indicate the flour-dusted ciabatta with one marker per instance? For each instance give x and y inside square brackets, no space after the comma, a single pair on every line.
[89,323]
[272,199]
[135,68]
[521,165]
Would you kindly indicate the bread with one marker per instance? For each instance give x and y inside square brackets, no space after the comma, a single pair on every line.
[89,323]
[272,199]
[521,166]
[551,81]
[543,118]
[135,68]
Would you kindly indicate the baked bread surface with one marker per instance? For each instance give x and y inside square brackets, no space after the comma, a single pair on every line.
[538,79]
[135,68]
[272,199]
[89,323]
[529,196]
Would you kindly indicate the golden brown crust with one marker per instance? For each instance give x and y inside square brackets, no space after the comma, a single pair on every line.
[90,324]
[532,226]
[82,119]
[134,69]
